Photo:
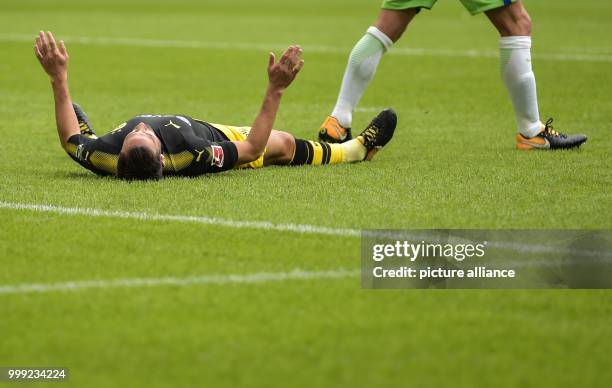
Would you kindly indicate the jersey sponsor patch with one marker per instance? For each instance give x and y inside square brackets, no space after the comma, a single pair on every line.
[217,156]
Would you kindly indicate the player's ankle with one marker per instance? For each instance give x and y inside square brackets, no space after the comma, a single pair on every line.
[354,150]
[344,116]
[532,129]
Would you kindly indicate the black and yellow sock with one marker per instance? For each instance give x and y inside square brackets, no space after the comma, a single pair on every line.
[317,153]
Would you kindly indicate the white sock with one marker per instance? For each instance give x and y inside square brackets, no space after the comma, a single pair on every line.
[359,72]
[515,54]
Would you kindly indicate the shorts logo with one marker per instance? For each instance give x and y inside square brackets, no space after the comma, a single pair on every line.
[217,156]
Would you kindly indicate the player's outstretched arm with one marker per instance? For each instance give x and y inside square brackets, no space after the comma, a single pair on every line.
[280,75]
[54,60]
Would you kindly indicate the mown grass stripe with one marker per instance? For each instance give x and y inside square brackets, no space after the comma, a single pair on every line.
[319,49]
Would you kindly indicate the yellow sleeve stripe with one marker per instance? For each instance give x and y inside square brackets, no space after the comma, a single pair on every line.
[177,162]
[70,149]
[104,161]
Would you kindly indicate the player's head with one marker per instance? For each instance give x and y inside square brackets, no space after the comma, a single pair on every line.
[140,157]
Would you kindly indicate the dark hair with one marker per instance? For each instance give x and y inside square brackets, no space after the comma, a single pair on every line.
[139,163]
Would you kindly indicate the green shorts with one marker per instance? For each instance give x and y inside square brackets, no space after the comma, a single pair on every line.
[474,6]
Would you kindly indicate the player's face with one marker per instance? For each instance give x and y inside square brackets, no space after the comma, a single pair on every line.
[142,136]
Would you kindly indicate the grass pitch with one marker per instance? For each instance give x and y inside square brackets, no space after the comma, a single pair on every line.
[452,164]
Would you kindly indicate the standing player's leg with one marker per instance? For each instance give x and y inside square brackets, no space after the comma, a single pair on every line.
[284,149]
[514,25]
[393,19]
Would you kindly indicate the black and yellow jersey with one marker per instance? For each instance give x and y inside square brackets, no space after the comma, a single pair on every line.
[191,147]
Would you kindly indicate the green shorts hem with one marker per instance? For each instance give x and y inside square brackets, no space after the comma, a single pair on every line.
[403,4]
[474,7]
[485,7]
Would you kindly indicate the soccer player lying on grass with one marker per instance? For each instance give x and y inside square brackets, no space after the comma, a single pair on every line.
[151,146]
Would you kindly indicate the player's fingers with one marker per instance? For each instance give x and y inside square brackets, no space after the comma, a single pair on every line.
[271,59]
[46,43]
[285,56]
[37,49]
[43,42]
[62,48]
[299,66]
[296,53]
[294,56]
[37,52]
[52,44]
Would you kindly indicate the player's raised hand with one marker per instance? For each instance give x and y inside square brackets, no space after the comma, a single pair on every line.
[52,57]
[282,73]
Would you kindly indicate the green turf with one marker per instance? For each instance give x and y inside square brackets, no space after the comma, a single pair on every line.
[452,164]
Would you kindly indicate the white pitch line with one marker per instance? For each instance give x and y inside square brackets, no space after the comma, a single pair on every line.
[369,109]
[287,227]
[263,225]
[319,49]
[252,278]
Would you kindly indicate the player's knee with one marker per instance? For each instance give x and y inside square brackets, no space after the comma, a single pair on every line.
[393,23]
[522,24]
[287,142]
[256,154]
[514,24]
